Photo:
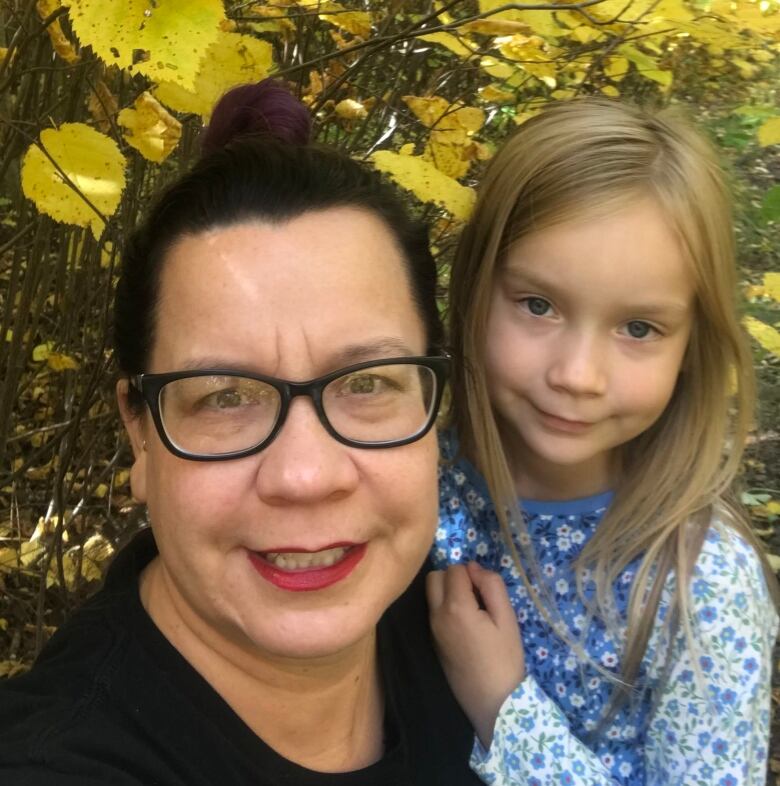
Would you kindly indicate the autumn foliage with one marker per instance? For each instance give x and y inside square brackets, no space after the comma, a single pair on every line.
[101,102]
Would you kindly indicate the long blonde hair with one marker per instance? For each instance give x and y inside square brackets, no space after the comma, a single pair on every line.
[591,155]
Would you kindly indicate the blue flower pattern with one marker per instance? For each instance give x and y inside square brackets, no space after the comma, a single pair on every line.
[687,724]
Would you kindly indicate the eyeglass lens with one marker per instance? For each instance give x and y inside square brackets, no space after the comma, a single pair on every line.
[214,415]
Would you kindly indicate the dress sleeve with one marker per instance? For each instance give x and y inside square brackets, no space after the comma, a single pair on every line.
[711,719]
[534,746]
[711,712]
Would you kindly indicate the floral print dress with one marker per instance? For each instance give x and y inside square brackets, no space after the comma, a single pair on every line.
[686,724]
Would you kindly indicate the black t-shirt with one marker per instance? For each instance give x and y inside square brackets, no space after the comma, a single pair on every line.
[111,701]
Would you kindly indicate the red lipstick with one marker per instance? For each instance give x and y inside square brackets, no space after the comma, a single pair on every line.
[312,578]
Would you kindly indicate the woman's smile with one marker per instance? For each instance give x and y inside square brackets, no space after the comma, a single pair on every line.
[298,570]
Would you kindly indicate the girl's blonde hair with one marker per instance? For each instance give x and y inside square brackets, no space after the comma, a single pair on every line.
[587,157]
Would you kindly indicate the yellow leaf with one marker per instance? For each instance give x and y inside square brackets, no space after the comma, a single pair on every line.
[459,45]
[426,182]
[350,109]
[100,490]
[495,95]
[764,334]
[9,335]
[3,623]
[746,70]
[93,164]
[121,477]
[531,54]
[616,68]
[438,113]
[447,156]
[42,351]
[10,668]
[521,117]
[30,552]
[151,128]
[106,254]
[646,65]
[102,105]
[452,126]
[493,26]
[233,59]
[541,22]
[62,46]
[585,34]
[356,22]
[98,549]
[407,149]
[610,90]
[772,284]
[59,362]
[162,40]
[769,132]
[9,560]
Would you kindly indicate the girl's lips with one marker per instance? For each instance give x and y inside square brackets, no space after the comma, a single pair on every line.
[306,579]
[562,424]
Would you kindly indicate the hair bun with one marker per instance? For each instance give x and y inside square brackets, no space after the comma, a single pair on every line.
[266,107]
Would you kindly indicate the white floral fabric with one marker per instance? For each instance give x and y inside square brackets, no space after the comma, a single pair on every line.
[696,718]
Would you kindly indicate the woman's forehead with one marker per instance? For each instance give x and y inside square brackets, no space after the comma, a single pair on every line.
[308,286]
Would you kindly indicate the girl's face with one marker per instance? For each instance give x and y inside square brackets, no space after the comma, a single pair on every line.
[587,330]
[293,300]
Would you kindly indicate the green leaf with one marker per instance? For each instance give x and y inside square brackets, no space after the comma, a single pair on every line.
[770,206]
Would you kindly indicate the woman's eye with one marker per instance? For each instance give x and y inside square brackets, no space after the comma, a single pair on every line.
[537,306]
[227,399]
[362,384]
[636,328]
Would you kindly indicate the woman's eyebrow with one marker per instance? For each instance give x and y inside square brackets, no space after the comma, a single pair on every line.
[386,347]
[376,349]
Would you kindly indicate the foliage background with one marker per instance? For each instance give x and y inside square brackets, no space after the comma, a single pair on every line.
[101,103]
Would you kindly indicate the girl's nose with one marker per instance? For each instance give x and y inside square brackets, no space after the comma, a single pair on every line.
[305,464]
[579,366]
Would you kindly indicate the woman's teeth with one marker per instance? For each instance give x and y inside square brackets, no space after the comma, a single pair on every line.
[297,560]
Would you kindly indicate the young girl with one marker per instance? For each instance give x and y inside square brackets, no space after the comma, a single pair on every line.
[601,402]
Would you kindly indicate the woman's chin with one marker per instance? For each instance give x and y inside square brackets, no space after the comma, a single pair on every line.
[310,635]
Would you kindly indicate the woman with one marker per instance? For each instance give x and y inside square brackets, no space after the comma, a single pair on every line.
[278,339]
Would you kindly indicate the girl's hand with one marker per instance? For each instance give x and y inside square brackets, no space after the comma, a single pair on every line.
[478,639]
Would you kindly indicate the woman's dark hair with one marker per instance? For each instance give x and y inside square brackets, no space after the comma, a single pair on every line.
[258,164]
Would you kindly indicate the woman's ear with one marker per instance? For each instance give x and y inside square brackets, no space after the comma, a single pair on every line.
[135,426]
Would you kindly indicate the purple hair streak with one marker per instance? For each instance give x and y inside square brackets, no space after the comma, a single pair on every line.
[262,108]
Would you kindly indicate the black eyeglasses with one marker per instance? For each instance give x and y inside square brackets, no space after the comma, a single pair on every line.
[220,414]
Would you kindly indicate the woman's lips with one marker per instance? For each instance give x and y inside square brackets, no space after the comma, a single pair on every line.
[297,570]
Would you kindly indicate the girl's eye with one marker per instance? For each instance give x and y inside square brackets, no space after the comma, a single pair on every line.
[537,306]
[636,328]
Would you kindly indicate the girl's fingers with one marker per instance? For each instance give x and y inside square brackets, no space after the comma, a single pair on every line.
[494,596]
[434,589]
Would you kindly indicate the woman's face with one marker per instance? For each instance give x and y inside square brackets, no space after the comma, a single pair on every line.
[293,300]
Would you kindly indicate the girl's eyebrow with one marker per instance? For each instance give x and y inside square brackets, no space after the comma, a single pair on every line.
[673,308]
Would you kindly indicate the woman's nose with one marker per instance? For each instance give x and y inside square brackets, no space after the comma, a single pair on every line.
[304,463]
[579,366]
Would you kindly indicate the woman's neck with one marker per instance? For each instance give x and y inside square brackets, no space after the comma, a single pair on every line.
[326,714]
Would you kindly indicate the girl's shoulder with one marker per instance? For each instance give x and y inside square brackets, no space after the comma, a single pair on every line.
[728,567]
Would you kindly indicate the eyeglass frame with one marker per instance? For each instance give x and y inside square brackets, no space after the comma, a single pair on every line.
[149,387]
